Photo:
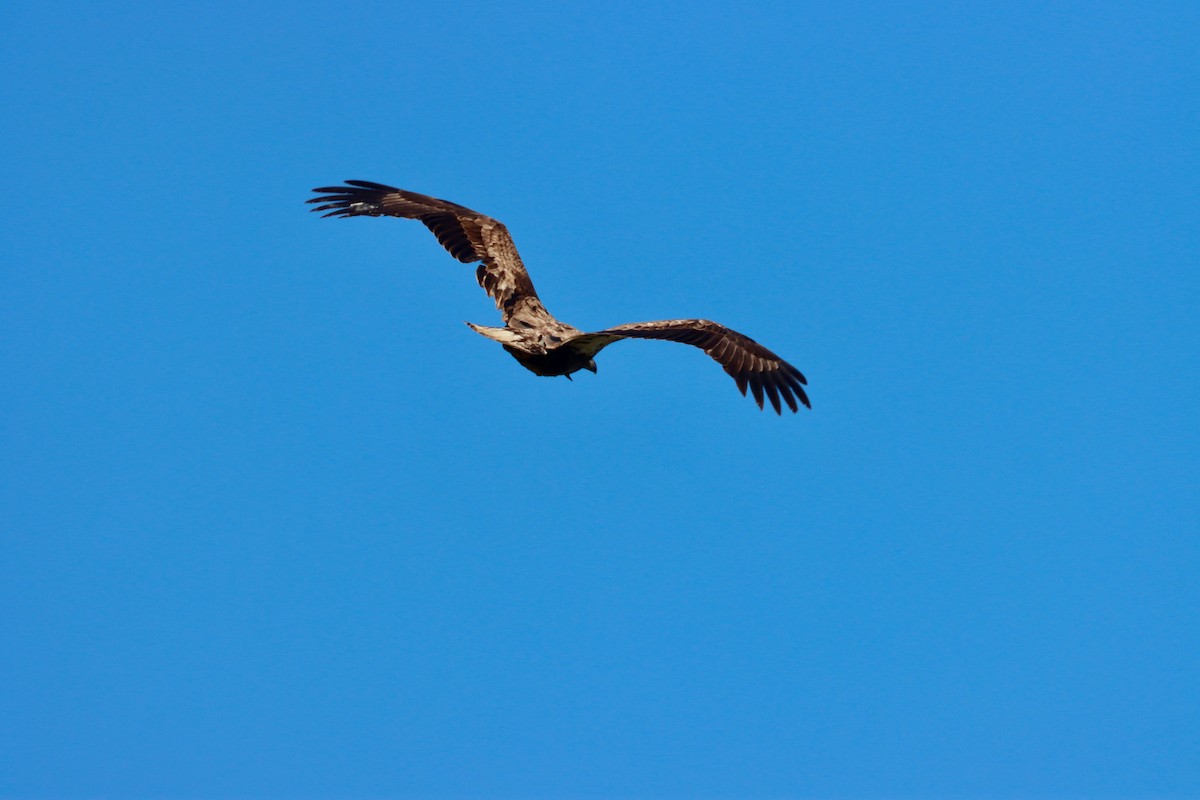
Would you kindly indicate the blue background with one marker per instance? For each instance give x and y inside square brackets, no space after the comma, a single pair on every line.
[276,524]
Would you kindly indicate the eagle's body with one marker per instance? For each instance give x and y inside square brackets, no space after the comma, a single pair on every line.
[542,344]
[544,350]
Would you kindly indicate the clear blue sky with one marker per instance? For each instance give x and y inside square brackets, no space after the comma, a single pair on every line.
[277,524]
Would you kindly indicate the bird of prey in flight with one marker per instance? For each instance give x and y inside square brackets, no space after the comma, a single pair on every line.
[541,343]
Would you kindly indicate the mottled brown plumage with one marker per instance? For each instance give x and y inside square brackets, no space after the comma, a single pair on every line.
[531,334]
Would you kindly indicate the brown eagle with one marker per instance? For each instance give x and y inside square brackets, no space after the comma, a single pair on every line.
[530,334]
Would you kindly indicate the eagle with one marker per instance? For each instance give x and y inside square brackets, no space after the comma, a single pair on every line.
[530,334]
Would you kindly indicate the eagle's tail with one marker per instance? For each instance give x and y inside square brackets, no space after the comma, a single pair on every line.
[501,335]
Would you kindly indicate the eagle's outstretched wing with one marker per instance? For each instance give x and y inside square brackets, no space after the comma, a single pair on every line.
[468,235]
[746,360]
